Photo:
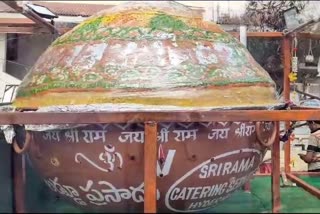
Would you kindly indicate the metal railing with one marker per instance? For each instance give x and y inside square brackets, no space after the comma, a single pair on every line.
[9,93]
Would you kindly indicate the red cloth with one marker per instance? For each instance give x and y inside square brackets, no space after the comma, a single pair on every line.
[265,168]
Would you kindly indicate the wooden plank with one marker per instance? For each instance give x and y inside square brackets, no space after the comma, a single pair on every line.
[247,186]
[159,116]
[265,34]
[258,174]
[18,183]
[314,36]
[275,174]
[18,173]
[23,22]
[303,108]
[286,51]
[150,166]
[311,189]
[30,30]
[259,34]
[23,30]
[310,174]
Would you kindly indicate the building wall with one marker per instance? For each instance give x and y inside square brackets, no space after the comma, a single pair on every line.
[5,79]
[30,47]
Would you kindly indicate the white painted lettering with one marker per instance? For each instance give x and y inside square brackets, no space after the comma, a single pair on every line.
[182,194]
[196,193]
[235,167]
[93,135]
[205,191]
[174,193]
[212,170]
[182,135]
[217,134]
[226,169]
[203,171]
[137,137]
[51,135]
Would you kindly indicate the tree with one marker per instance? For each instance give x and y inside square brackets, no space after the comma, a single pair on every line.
[269,14]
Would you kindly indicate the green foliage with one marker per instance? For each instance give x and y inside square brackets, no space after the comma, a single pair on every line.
[269,16]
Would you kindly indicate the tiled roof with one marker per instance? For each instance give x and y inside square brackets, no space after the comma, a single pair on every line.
[64,9]
[71,9]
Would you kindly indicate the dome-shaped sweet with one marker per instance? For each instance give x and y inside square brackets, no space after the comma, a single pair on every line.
[147,53]
[158,54]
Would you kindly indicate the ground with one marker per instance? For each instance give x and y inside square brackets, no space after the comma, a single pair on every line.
[293,199]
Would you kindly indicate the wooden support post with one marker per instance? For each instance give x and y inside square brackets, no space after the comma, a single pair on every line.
[18,174]
[150,166]
[309,174]
[247,186]
[286,51]
[159,116]
[275,174]
[311,189]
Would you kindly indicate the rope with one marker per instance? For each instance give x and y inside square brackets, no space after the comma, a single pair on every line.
[294,55]
[294,46]
[161,155]
[310,47]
